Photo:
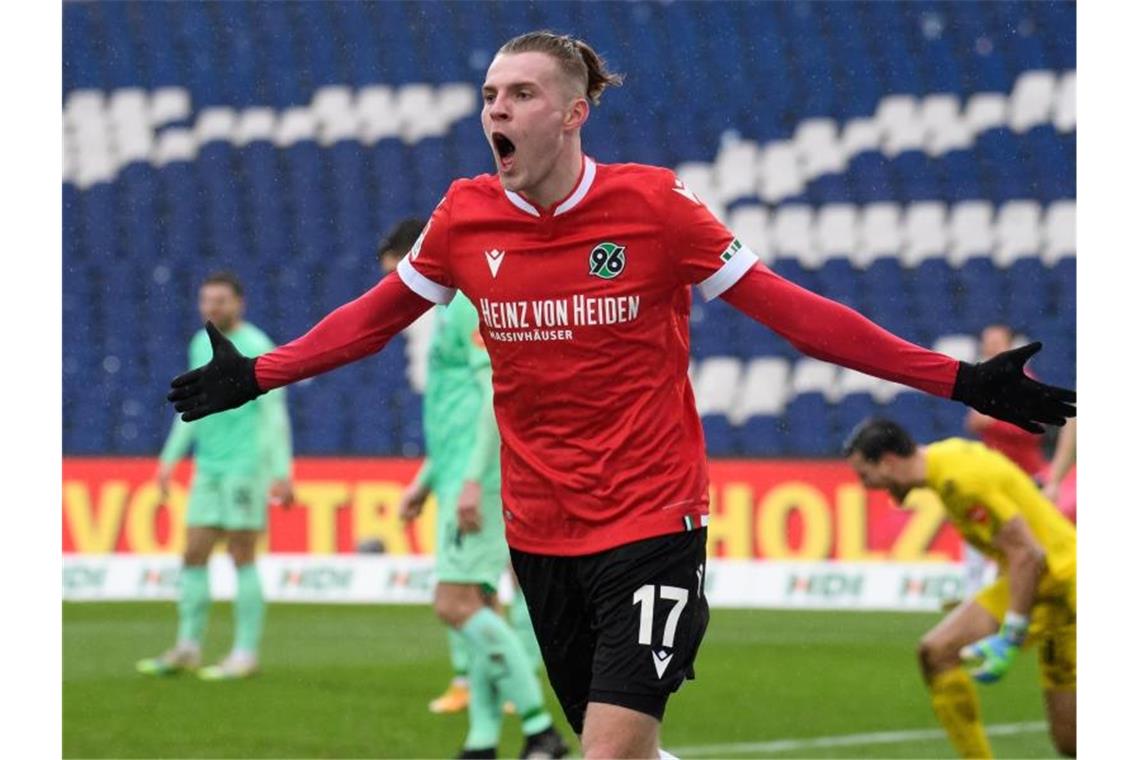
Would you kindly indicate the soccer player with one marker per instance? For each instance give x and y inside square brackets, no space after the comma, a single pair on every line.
[462,469]
[1000,511]
[242,459]
[581,274]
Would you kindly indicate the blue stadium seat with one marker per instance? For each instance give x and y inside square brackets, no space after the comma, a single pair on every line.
[810,431]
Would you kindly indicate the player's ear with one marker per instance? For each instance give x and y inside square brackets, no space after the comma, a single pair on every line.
[577,114]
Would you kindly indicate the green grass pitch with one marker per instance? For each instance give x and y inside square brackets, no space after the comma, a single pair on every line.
[354,681]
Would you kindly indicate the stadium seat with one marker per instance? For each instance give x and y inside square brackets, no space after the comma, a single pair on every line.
[837,231]
[1018,231]
[791,230]
[1060,234]
[780,174]
[1031,102]
[924,233]
[971,230]
[716,383]
[763,391]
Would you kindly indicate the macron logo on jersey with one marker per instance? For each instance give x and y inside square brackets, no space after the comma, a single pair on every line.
[494,260]
[661,661]
[681,189]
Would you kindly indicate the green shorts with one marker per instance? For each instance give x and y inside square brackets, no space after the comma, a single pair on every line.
[230,502]
[475,558]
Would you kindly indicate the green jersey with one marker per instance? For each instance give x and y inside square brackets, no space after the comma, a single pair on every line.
[252,440]
[460,432]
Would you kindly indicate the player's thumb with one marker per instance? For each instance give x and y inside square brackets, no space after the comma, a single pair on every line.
[218,342]
[1019,356]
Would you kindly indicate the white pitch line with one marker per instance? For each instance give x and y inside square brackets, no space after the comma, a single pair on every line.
[846,740]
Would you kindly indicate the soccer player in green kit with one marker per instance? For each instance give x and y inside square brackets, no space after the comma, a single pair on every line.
[242,460]
[462,469]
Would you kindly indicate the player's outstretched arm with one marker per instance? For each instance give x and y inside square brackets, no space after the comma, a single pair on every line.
[355,330]
[835,333]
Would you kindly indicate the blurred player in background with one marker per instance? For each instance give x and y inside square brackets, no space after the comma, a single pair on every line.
[1061,485]
[462,469]
[582,274]
[242,460]
[1001,512]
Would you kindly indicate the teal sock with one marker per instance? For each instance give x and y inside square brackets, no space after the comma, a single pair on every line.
[520,620]
[484,712]
[492,640]
[193,603]
[460,657]
[249,610]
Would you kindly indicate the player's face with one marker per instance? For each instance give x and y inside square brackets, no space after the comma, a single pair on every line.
[218,303]
[994,341]
[873,475]
[389,261]
[526,117]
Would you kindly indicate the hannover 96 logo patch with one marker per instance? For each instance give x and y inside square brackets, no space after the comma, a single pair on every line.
[607,260]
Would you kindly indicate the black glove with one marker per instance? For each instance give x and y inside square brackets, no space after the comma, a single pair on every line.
[1000,388]
[228,381]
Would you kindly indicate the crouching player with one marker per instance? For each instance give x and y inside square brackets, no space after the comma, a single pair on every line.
[998,510]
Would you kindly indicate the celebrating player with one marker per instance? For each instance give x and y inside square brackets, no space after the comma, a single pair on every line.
[462,469]
[242,458]
[999,510]
[581,275]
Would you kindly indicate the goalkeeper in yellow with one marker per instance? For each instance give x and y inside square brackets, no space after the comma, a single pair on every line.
[999,511]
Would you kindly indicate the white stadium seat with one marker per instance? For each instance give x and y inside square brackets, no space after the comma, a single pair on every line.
[898,119]
[924,232]
[792,233]
[1065,103]
[218,123]
[1018,231]
[169,104]
[1031,102]
[817,142]
[698,177]
[295,125]
[860,136]
[457,100]
[814,376]
[376,108]
[971,230]
[734,172]
[986,110]
[850,381]
[716,383]
[780,175]
[880,233]
[1060,231]
[943,125]
[419,116]
[750,224]
[964,348]
[337,118]
[255,124]
[837,230]
[763,391]
[81,106]
[175,145]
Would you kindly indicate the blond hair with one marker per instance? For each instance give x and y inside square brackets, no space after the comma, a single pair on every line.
[577,59]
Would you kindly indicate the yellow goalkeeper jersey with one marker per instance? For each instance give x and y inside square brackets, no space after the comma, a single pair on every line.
[982,490]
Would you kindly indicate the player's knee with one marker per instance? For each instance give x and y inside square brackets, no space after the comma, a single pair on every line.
[932,656]
[615,746]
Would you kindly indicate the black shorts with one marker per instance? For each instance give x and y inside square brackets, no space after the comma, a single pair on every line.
[621,626]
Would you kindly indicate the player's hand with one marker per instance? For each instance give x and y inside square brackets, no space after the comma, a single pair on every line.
[1051,491]
[281,493]
[226,382]
[988,659]
[163,478]
[469,509]
[412,502]
[1000,388]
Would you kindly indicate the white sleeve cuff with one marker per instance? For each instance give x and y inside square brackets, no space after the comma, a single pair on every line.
[725,277]
[421,285]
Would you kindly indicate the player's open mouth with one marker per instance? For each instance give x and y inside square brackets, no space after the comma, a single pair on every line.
[504,148]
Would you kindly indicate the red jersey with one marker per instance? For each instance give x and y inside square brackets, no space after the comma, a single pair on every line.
[1020,446]
[584,308]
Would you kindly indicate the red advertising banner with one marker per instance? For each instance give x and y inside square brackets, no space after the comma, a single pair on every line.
[779,509]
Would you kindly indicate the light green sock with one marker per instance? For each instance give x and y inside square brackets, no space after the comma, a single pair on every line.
[484,713]
[460,657]
[193,604]
[491,639]
[520,620]
[249,610]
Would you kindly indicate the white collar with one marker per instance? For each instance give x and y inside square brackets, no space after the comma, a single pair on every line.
[573,200]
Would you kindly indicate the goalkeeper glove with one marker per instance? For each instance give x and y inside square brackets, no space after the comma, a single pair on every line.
[226,382]
[1000,388]
[988,659]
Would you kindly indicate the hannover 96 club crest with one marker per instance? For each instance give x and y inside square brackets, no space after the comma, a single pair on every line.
[607,260]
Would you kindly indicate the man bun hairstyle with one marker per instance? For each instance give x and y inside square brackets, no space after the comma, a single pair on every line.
[877,436]
[401,237]
[578,60]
